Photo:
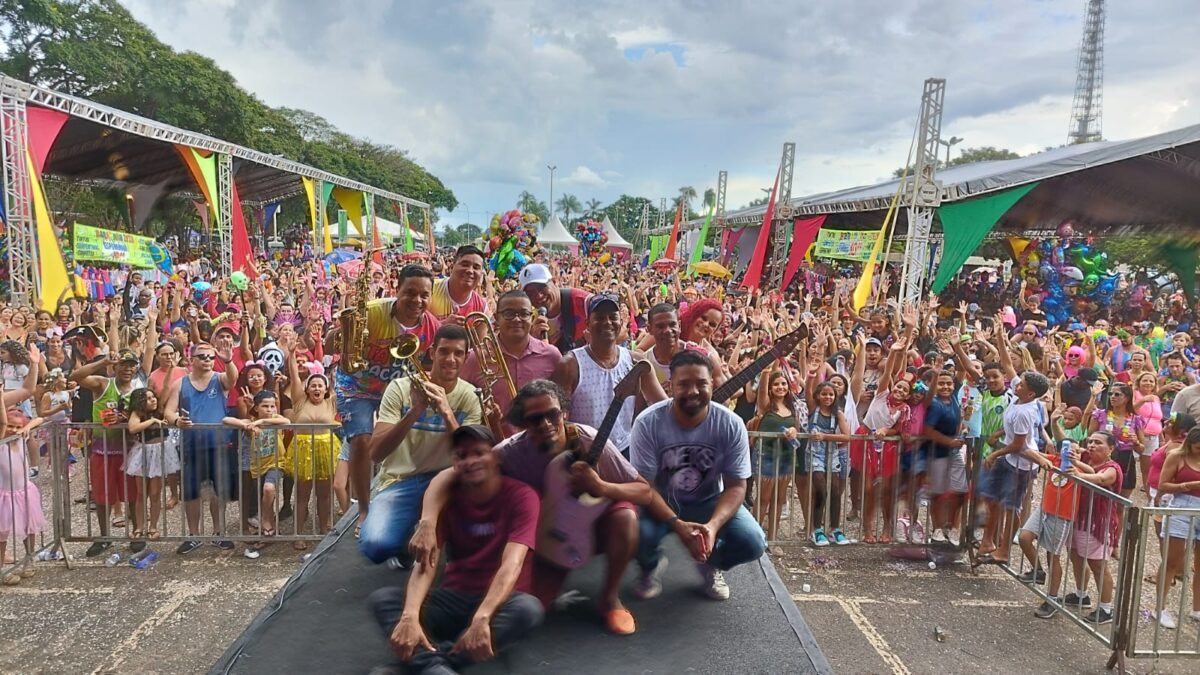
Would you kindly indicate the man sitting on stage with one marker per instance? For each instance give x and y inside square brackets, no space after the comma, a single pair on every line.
[697,454]
[540,409]
[482,605]
[411,443]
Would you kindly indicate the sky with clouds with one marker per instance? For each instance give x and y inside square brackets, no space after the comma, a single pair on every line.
[628,96]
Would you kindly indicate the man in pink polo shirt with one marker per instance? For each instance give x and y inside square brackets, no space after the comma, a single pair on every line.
[527,357]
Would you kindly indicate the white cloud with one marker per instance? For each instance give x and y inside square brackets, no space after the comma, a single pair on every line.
[486,93]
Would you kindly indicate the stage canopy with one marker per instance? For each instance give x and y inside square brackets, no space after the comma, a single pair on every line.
[554,234]
[1109,185]
[615,240]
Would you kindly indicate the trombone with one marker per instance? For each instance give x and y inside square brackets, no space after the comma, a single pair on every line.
[481,338]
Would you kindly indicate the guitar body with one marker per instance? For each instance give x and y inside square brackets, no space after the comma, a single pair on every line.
[565,532]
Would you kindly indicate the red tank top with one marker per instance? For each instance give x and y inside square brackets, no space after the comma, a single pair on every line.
[1187,474]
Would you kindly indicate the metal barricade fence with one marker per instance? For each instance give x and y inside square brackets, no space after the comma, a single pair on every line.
[1170,537]
[26,531]
[178,484]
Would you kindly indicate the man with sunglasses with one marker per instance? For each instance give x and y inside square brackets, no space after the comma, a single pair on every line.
[206,454]
[526,357]
[540,411]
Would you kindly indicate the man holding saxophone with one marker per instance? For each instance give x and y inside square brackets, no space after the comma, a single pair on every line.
[411,441]
[362,376]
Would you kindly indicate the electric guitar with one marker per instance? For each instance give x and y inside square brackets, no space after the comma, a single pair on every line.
[565,535]
[785,345]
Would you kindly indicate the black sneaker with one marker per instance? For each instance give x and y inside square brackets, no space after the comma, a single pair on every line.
[1033,578]
[1073,600]
[97,548]
[1046,610]
[225,545]
[137,546]
[1099,616]
[187,547]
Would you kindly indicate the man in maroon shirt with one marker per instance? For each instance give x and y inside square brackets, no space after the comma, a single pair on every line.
[488,528]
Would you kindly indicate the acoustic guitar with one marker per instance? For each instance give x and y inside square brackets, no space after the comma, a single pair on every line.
[565,535]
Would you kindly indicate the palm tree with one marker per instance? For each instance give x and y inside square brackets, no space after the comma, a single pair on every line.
[593,207]
[528,203]
[568,204]
[710,197]
[686,194]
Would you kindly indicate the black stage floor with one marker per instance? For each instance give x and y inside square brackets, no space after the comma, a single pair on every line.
[323,625]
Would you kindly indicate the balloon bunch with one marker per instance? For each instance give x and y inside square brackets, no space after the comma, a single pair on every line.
[1071,276]
[592,239]
[511,242]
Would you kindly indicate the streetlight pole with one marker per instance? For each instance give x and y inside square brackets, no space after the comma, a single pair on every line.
[552,168]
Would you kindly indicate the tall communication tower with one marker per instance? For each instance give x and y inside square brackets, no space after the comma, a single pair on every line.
[1086,107]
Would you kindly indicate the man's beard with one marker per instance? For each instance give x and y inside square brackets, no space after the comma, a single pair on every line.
[692,405]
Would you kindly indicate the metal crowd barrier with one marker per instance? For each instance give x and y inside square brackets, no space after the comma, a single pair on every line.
[197,484]
[1172,536]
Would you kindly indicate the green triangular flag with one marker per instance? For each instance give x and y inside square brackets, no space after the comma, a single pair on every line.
[965,224]
[698,251]
[408,240]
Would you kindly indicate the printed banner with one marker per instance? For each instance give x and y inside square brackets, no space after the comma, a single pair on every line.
[845,244]
[94,243]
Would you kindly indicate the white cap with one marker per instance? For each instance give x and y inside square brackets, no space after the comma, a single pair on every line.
[536,273]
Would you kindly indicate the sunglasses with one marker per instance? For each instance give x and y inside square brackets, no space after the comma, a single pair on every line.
[205,357]
[552,416]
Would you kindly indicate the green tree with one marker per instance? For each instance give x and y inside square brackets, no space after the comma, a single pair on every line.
[986,153]
[469,231]
[626,215]
[568,204]
[592,207]
[686,194]
[710,197]
[760,201]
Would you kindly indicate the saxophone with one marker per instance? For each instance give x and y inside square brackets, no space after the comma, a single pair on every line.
[353,322]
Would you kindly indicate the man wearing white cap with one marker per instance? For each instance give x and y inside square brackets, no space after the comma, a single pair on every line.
[563,310]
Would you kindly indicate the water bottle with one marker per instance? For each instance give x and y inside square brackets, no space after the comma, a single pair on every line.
[144,559]
[1064,455]
[112,560]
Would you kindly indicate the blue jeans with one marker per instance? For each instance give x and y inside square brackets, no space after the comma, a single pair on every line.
[741,540]
[358,415]
[393,517]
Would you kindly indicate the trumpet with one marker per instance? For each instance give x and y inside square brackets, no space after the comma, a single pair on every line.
[405,349]
[481,338]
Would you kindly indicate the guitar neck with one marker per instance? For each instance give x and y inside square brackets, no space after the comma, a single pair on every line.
[603,432]
[726,390]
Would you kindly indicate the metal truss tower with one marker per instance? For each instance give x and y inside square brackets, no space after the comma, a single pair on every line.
[781,222]
[1086,106]
[18,201]
[643,231]
[923,192]
[225,211]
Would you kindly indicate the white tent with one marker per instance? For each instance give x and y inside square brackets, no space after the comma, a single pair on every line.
[394,230]
[554,234]
[615,240]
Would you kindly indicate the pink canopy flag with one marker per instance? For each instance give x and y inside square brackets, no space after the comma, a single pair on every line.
[43,126]
[804,233]
[754,271]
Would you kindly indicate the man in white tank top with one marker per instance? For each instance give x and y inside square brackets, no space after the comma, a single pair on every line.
[589,374]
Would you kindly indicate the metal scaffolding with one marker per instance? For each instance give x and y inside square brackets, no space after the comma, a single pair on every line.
[924,193]
[224,221]
[1088,101]
[18,201]
[781,221]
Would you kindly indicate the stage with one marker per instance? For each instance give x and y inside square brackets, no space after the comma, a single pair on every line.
[319,622]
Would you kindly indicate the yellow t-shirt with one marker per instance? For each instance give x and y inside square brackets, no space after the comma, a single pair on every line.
[426,448]
[442,305]
[265,451]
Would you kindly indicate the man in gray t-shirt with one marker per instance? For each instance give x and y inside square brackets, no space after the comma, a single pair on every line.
[697,455]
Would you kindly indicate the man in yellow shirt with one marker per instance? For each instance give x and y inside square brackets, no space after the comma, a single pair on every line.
[456,296]
[411,441]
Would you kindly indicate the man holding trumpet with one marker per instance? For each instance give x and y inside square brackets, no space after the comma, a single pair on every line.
[411,441]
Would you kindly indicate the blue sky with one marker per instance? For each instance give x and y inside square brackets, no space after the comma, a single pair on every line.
[636,97]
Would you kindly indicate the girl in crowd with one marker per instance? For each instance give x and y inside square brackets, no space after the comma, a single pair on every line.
[15,369]
[1149,409]
[1122,422]
[777,413]
[165,373]
[153,455]
[264,459]
[17,328]
[54,406]
[315,451]
[1097,525]
[877,461]
[58,354]
[829,460]
[1180,478]
[21,514]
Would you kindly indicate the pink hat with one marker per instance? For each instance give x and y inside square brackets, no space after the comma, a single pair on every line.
[1008,316]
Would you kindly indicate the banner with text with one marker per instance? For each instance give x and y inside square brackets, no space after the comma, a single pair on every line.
[94,243]
[845,244]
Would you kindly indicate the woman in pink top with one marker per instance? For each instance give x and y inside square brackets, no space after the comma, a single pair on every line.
[1149,408]
[166,373]
[1181,478]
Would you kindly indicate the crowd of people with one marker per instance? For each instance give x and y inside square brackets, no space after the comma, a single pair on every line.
[296,390]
